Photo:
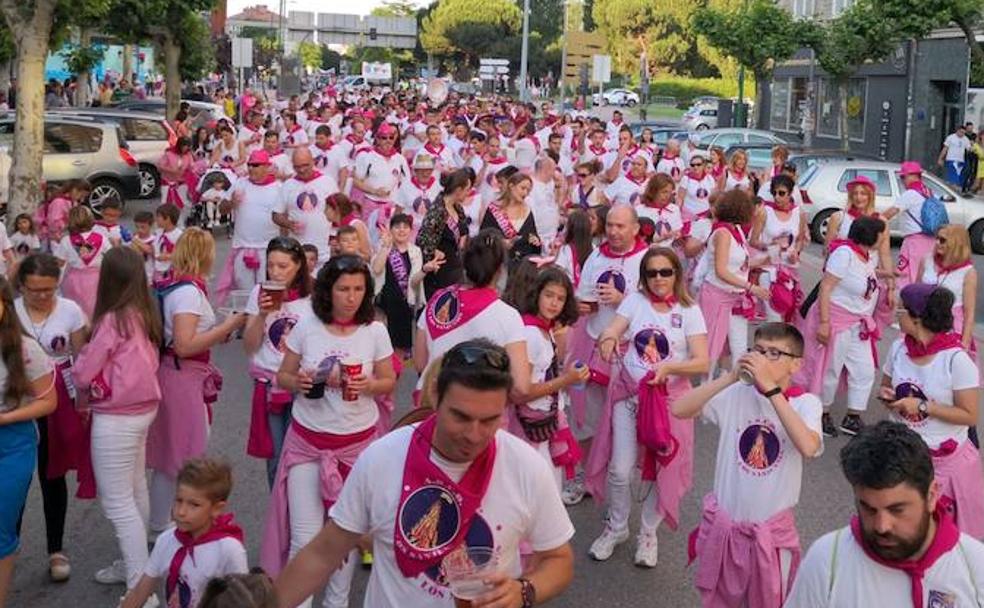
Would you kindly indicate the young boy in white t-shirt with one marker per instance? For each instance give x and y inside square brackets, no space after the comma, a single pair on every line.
[205,542]
[767,428]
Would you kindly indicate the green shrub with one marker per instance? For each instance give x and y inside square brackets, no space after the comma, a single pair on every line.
[686,89]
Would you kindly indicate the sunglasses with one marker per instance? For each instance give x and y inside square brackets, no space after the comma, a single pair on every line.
[475,355]
[696,165]
[385,138]
[652,273]
[771,353]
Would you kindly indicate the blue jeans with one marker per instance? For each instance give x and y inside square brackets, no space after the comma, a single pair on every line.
[954,171]
[18,458]
[278,430]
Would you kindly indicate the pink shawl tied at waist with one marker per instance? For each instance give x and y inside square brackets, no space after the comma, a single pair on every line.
[914,247]
[673,479]
[335,455]
[68,439]
[717,306]
[739,561]
[267,398]
[227,280]
[581,347]
[959,472]
[817,357]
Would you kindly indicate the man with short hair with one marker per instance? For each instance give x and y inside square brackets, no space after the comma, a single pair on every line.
[902,548]
[443,491]
[951,156]
[302,204]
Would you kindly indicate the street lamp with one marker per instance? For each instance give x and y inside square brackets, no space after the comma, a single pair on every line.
[524,56]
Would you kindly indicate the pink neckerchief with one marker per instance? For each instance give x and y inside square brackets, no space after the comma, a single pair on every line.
[860,251]
[315,175]
[537,321]
[223,527]
[670,156]
[947,537]
[454,306]
[325,148]
[777,208]
[921,188]
[855,214]
[599,150]
[348,219]
[940,342]
[693,175]
[419,544]
[422,187]
[575,265]
[717,171]
[606,250]
[505,224]
[635,181]
[655,205]
[295,128]
[733,230]
[739,176]
[388,154]
[196,281]
[942,269]
[355,141]
[88,246]
[432,150]
[669,299]
[776,170]
[167,246]
[266,181]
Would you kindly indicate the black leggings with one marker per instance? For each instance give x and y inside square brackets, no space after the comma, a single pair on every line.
[54,495]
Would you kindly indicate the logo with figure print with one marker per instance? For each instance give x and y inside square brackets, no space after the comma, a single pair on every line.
[23,248]
[321,161]
[759,447]
[330,371]
[941,599]
[651,345]
[909,389]
[446,309]
[702,192]
[871,288]
[59,344]
[278,332]
[420,205]
[307,201]
[613,277]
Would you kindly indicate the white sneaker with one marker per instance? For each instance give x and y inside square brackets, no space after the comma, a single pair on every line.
[114,574]
[152,602]
[603,546]
[647,550]
[573,493]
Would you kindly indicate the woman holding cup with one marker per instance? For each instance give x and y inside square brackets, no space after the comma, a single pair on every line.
[274,308]
[337,360]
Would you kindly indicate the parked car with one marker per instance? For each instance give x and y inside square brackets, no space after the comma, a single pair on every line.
[616,97]
[200,113]
[725,138]
[77,148]
[148,136]
[700,118]
[824,189]
[661,132]
[805,159]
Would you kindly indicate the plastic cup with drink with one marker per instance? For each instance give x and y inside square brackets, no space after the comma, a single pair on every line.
[466,570]
[318,380]
[274,290]
[351,368]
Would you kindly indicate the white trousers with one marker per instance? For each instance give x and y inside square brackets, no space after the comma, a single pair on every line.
[182,190]
[119,446]
[247,278]
[307,517]
[737,342]
[162,489]
[621,467]
[594,400]
[852,353]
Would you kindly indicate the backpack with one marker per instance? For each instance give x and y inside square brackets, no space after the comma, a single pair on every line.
[162,290]
[932,215]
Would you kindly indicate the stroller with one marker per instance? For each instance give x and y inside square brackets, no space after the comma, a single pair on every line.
[214,187]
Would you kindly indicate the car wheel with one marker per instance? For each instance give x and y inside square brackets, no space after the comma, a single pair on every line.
[150,181]
[977,236]
[819,225]
[702,127]
[103,189]
[630,102]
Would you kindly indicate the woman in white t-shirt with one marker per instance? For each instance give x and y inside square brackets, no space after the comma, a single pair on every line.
[656,203]
[779,230]
[337,360]
[59,326]
[737,176]
[272,315]
[667,347]
[26,393]
[931,385]
[577,245]
[587,192]
[950,266]
[189,382]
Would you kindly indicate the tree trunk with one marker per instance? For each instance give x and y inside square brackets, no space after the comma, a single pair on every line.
[172,75]
[763,99]
[976,48]
[842,114]
[82,92]
[128,63]
[31,37]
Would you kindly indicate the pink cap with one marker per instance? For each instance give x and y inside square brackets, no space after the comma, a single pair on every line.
[910,167]
[258,157]
[385,129]
[861,180]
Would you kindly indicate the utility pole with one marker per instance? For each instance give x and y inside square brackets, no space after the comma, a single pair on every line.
[524,57]
[740,120]
[563,55]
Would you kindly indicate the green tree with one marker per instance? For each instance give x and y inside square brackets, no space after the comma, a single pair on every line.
[198,54]
[917,18]
[757,37]
[309,54]
[395,8]
[330,59]
[468,28]
[546,17]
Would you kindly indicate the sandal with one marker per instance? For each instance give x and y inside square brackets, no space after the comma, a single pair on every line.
[59,568]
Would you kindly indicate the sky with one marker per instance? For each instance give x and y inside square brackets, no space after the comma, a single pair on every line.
[360,7]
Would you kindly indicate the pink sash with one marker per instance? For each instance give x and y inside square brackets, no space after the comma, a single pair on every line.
[504,222]
[267,398]
[418,549]
[452,307]
[717,306]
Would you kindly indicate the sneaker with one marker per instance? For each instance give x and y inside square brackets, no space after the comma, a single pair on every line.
[114,574]
[603,546]
[574,491]
[647,549]
[829,430]
[58,567]
[851,424]
[367,560]
[152,602]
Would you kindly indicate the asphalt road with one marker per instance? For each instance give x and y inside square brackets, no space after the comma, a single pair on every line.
[825,504]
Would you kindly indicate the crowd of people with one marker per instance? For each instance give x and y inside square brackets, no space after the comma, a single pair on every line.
[570,298]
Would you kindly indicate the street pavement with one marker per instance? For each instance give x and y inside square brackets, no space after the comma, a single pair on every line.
[825,504]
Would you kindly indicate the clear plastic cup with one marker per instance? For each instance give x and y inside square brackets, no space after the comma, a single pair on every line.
[466,569]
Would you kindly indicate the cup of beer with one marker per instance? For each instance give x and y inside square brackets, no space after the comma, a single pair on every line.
[275,291]
[317,390]
[351,368]
[466,569]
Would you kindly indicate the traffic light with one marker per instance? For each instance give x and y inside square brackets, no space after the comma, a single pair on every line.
[372,33]
[584,79]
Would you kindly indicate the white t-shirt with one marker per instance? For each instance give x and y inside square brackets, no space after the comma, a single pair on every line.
[211,560]
[304,203]
[444,157]
[732,181]
[36,365]
[87,255]
[625,190]
[277,328]
[164,242]
[783,232]
[322,353]
[381,172]
[54,334]
[521,504]
[698,192]
[416,197]
[956,145]
[281,165]
[5,245]
[910,202]
[657,336]
[330,161]
[857,291]
[187,299]
[955,579]
[542,355]
[253,140]
[758,471]
[737,262]
[667,219]
[673,167]
[297,137]
[598,269]
[546,213]
[23,245]
[254,213]
[950,370]
[952,280]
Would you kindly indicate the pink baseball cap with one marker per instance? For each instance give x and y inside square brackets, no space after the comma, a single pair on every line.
[910,167]
[386,129]
[861,180]
[258,157]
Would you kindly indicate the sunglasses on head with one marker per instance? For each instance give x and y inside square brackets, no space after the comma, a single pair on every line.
[474,355]
[284,243]
[652,273]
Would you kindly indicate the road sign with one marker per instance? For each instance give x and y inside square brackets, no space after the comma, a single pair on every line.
[601,68]
[242,52]
[377,71]
[489,68]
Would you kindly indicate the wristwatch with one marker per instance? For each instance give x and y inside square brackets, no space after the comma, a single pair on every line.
[772,393]
[529,593]
[923,407]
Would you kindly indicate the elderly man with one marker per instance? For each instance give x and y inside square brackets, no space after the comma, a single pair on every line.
[302,204]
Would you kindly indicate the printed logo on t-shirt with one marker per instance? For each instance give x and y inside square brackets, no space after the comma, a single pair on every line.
[675,172]
[676,320]
[626,164]
[651,345]
[759,448]
[941,599]
[23,248]
[278,332]
[421,204]
[871,287]
[321,161]
[702,192]
[613,277]
[181,596]
[447,309]
[307,201]
[228,159]
[59,345]
[330,370]
[634,198]
[909,389]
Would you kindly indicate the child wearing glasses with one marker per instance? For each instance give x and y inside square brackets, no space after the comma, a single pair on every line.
[768,427]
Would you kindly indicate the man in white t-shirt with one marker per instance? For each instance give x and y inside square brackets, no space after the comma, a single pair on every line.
[951,156]
[543,200]
[453,490]
[768,427]
[902,548]
[302,203]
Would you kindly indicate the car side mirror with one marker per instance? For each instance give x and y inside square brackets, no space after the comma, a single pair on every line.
[948,198]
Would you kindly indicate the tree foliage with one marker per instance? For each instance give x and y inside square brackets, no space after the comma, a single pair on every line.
[469,29]
[395,8]
[309,54]
[198,56]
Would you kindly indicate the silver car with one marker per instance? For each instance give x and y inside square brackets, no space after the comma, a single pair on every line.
[147,134]
[725,138]
[77,148]
[200,113]
[824,188]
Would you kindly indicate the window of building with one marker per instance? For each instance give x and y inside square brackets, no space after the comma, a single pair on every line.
[839,6]
[804,9]
[780,105]
[828,121]
[799,91]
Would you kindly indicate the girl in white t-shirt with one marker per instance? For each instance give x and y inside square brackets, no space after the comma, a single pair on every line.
[24,240]
[737,175]
[337,359]
[272,315]
[667,346]
[81,252]
[577,246]
[950,266]
[930,384]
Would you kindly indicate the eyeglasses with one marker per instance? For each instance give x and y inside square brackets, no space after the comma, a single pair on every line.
[781,193]
[941,240]
[385,138]
[652,273]
[771,353]
[474,355]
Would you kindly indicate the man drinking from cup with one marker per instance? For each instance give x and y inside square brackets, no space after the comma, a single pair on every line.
[447,503]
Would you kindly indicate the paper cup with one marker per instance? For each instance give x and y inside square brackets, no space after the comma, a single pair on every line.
[350,369]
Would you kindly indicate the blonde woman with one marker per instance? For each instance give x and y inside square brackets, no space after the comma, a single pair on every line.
[950,266]
[737,176]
